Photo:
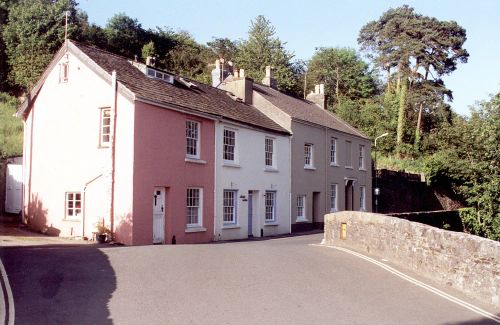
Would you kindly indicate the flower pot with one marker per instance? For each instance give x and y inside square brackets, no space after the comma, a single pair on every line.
[101,238]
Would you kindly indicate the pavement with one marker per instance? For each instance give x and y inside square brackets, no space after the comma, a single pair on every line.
[278,281]
[14,234]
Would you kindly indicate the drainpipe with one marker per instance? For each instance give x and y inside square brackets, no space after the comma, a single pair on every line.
[84,203]
[113,143]
[327,168]
[216,174]
[290,178]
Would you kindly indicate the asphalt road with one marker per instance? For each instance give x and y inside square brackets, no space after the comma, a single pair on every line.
[280,281]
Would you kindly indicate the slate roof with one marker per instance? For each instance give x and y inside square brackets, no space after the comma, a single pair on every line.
[202,98]
[305,110]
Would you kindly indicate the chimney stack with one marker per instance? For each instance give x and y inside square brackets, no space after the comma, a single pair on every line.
[239,85]
[318,96]
[269,78]
[221,71]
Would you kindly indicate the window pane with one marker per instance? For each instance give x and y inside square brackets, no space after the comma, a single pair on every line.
[229,144]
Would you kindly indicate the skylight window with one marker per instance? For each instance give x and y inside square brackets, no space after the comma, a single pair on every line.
[152,73]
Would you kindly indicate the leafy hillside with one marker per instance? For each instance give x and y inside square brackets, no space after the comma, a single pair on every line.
[11,128]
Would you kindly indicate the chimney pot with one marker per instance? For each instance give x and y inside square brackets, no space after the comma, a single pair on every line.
[217,64]
[242,73]
[236,73]
[322,89]
[148,60]
[316,89]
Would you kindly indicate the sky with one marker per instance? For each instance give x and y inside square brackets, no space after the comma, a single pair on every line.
[306,25]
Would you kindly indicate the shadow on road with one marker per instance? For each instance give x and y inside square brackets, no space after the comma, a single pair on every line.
[480,321]
[60,284]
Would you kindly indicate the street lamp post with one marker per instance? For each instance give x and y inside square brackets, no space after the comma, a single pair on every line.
[377,190]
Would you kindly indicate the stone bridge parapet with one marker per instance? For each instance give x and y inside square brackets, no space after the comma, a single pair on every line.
[465,262]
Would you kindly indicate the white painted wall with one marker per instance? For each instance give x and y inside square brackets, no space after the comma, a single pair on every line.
[250,174]
[62,153]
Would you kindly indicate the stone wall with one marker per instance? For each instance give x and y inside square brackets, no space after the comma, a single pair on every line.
[406,192]
[462,261]
[445,219]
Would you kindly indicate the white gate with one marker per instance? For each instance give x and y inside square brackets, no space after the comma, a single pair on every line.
[13,193]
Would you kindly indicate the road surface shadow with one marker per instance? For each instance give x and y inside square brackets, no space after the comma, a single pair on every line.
[60,284]
[480,321]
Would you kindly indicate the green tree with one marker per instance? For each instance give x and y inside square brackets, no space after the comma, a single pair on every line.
[343,72]
[468,159]
[148,50]
[263,48]
[189,58]
[224,48]
[125,35]
[418,48]
[33,33]
[5,6]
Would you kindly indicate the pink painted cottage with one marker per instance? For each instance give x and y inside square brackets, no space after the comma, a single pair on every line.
[116,142]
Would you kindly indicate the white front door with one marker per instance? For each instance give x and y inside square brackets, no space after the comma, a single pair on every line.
[159,215]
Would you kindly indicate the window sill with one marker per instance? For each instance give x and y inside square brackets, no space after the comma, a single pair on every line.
[348,167]
[309,167]
[334,165]
[230,164]
[271,170]
[271,224]
[362,169]
[195,229]
[301,219]
[194,160]
[231,227]
[103,147]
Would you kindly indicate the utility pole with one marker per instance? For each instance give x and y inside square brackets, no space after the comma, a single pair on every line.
[377,190]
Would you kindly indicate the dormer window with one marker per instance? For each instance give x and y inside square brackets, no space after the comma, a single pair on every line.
[152,73]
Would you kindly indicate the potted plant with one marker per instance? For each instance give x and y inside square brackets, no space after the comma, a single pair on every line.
[102,233]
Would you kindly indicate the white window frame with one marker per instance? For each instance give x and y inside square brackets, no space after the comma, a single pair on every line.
[229,206]
[273,206]
[269,152]
[308,156]
[333,151]
[72,205]
[362,198]
[361,158]
[190,139]
[191,204]
[226,146]
[102,133]
[333,197]
[348,154]
[301,206]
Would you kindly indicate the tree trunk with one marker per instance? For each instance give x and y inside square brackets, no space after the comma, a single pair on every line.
[388,79]
[401,118]
[398,81]
[419,125]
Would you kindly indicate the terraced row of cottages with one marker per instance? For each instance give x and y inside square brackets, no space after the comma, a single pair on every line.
[158,158]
